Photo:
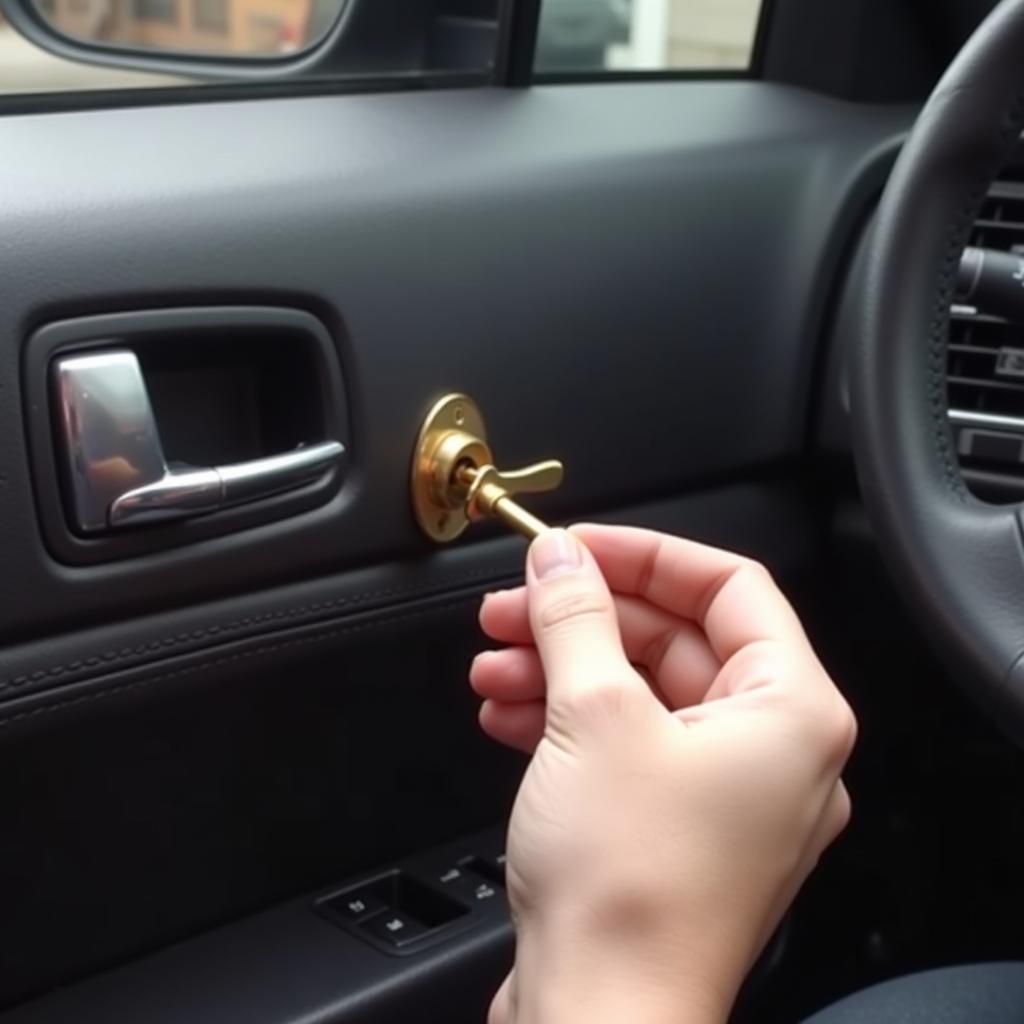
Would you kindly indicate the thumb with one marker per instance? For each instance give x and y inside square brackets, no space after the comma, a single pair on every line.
[572,616]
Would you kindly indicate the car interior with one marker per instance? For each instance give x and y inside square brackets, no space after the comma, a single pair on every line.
[294,353]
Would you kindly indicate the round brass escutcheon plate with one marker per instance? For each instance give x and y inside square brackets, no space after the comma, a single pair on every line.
[453,433]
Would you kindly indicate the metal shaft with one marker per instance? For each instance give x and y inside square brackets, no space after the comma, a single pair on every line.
[514,515]
[496,502]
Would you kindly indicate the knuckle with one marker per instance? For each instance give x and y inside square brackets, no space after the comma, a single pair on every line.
[840,732]
[841,811]
[570,608]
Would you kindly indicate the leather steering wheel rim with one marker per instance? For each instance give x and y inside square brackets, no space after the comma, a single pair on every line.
[959,561]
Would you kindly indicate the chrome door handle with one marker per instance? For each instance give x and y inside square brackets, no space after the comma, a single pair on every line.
[118,474]
[190,492]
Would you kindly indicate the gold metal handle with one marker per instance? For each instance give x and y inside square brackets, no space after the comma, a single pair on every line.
[455,481]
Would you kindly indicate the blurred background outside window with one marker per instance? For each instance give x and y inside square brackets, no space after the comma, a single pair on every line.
[574,35]
[646,35]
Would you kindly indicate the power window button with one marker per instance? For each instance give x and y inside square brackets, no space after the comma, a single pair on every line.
[465,886]
[455,881]
[394,927]
[356,906]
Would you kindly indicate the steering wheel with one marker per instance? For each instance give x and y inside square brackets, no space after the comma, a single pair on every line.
[958,560]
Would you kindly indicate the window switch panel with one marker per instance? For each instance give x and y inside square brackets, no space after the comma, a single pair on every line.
[427,898]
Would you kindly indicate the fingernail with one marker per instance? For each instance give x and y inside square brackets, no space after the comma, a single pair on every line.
[554,553]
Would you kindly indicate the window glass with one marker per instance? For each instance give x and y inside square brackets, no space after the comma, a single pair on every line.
[383,39]
[25,68]
[248,27]
[404,36]
[646,35]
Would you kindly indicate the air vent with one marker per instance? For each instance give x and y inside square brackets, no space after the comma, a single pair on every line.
[986,359]
[1001,223]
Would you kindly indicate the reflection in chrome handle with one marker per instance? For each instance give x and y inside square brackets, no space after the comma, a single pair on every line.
[177,494]
[189,492]
[117,472]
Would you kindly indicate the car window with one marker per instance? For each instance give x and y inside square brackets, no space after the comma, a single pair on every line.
[238,27]
[574,36]
[25,68]
[74,45]
[646,35]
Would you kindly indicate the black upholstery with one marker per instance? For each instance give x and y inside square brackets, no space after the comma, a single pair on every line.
[976,994]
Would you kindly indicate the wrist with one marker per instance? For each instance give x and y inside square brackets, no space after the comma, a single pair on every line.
[567,973]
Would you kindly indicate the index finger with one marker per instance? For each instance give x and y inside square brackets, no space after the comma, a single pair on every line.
[733,598]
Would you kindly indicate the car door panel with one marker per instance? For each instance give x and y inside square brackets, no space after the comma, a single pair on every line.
[217,726]
[431,281]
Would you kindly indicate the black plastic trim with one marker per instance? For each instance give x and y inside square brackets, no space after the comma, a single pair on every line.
[765,20]
[248,91]
[517,42]
[597,76]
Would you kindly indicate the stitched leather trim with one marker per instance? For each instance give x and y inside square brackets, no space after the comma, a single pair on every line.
[208,637]
[255,651]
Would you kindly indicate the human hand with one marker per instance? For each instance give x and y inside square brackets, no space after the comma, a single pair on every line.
[687,746]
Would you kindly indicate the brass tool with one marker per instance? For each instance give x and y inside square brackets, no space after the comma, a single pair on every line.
[455,481]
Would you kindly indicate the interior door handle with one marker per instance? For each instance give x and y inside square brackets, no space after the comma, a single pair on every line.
[188,492]
[118,473]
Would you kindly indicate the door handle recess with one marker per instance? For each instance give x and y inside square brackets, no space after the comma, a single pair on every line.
[118,473]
